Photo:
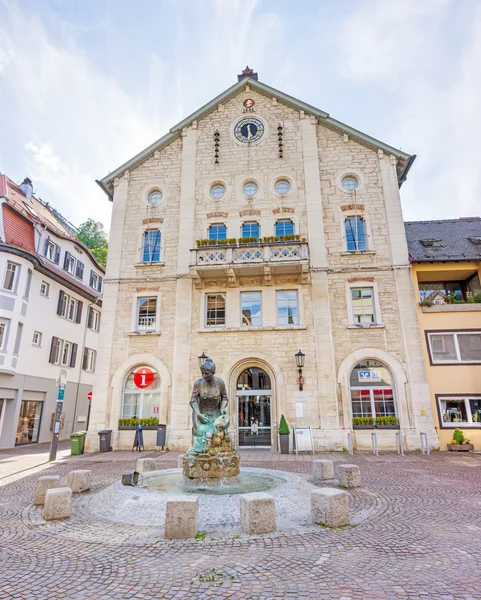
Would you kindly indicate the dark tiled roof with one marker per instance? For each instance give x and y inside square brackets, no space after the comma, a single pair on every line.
[454,237]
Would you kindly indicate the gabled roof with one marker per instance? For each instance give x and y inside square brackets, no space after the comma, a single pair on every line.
[404,160]
[454,240]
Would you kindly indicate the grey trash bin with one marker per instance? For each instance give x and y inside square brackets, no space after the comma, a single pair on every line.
[105,438]
[161,435]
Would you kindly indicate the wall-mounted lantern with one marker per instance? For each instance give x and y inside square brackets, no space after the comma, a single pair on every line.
[300,358]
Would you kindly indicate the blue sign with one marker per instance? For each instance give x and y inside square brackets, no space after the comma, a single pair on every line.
[61,395]
[369,375]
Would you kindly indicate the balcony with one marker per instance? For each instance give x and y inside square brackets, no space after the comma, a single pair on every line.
[254,259]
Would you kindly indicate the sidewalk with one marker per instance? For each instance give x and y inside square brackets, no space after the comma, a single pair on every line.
[22,458]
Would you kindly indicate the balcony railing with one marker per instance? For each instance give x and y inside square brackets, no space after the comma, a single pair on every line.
[146,323]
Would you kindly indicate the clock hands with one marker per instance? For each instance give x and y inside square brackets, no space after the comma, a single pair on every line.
[249,133]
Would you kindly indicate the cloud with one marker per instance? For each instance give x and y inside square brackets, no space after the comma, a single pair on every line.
[44,155]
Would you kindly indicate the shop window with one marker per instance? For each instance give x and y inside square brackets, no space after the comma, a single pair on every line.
[251,309]
[356,239]
[457,410]
[456,347]
[214,310]
[151,246]
[287,308]
[29,422]
[372,392]
[217,232]
[285,228]
[141,402]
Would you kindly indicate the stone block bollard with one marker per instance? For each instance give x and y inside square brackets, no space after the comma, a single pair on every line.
[350,476]
[58,504]
[43,484]
[323,469]
[79,481]
[257,513]
[181,517]
[145,464]
[330,506]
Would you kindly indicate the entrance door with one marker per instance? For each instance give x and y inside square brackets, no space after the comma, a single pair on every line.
[254,408]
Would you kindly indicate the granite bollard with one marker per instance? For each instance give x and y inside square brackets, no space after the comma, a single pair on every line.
[350,476]
[58,504]
[323,469]
[145,464]
[330,507]
[257,513]
[181,516]
[43,484]
[79,481]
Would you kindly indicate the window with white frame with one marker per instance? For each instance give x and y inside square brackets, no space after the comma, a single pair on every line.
[66,353]
[69,263]
[251,309]
[51,251]
[459,410]
[287,307]
[141,402]
[95,281]
[147,314]
[72,306]
[454,347]
[93,319]
[215,310]
[11,274]
[362,301]
[89,360]
[356,238]
[44,289]
[372,392]
[151,246]
[55,351]
[3,333]
[69,308]
[37,339]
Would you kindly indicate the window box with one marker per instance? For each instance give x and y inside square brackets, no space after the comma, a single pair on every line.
[460,447]
[134,427]
[387,426]
[364,426]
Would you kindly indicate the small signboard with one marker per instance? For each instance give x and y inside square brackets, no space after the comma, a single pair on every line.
[89,396]
[299,411]
[367,376]
[61,395]
[144,378]
[301,397]
[303,439]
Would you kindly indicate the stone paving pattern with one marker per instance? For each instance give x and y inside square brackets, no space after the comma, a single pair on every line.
[424,541]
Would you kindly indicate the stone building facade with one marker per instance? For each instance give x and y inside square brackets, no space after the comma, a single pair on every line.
[312,256]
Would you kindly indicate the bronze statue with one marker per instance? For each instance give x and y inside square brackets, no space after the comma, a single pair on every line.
[211,453]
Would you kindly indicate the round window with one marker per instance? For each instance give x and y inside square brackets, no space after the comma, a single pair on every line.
[282,187]
[349,183]
[217,191]
[250,189]
[155,197]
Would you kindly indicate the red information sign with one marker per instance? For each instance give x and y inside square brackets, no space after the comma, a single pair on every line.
[89,396]
[143,378]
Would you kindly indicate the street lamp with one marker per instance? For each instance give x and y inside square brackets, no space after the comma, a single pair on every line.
[300,357]
[202,358]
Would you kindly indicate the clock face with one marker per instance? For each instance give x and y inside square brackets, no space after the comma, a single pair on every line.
[249,130]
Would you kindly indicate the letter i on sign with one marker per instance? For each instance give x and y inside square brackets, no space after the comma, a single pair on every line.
[143,377]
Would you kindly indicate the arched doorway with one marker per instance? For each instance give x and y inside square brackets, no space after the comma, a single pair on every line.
[254,411]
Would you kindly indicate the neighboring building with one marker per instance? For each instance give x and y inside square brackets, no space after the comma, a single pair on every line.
[257,226]
[446,262]
[50,303]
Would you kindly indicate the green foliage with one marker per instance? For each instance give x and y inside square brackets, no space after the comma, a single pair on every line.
[92,234]
[458,436]
[323,525]
[363,421]
[200,535]
[249,240]
[133,422]
[283,426]
[425,303]
[387,421]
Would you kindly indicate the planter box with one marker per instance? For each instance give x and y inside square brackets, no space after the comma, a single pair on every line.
[284,443]
[133,427]
[460,447]
[387,426]
[364,426]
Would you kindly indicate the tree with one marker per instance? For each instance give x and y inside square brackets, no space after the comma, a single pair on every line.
[92,234]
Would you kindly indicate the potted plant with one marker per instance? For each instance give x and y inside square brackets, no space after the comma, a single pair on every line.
[387,422]
[284,435]
[363,423]
[459,443]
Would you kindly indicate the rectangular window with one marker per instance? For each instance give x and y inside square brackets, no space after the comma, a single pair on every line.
[251,309]
[361,403]
[66,350]
[363,306]
[51,247]
[287,308]
[18,339]
[72,305]
[95,281]
[458,347]
[3,333]
[285,227]
[28,422]
[356,239]
[10,276]
[29,283]
[460,411]
[214,310]
[93,319]
[55,351]
[251,230]
[151,247]
[44,289]
[146,314]
[217,232]
[90,357]
[37,339]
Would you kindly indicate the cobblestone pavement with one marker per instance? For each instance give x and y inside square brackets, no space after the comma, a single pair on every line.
[423,541]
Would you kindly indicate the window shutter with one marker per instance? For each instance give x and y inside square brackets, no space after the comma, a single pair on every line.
[52,350]
[66,260]
[85,359]
[90,318]
[60,302]
[80,270]
[91,282]
[100,284]
[94,362]
[78,316]
[73,356]
[57,254]
[46,245]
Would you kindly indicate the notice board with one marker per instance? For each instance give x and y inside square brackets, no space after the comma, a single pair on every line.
[303,439]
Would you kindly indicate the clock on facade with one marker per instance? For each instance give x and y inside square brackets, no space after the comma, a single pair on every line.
[249,130]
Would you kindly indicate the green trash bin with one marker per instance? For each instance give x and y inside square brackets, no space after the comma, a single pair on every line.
[76,443]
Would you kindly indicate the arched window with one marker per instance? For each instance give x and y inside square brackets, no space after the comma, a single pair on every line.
[356,238]
[141,395]
[285,227]
[372,393]
[251,230]
[151,246]
[217,231]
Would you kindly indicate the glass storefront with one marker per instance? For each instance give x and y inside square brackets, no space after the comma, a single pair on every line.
[29,422]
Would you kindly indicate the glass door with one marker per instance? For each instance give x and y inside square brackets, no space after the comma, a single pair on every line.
[29,422]
[254,418]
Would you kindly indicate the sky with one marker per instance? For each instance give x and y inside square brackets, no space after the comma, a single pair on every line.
[87,84]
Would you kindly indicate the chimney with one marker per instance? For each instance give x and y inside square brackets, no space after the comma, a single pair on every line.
[27,188]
